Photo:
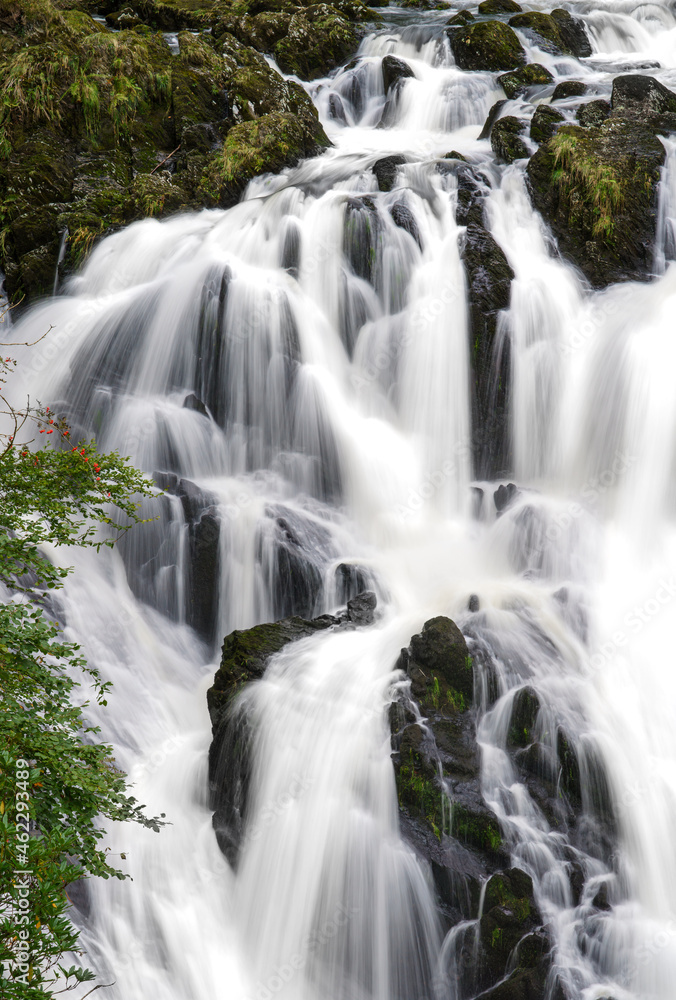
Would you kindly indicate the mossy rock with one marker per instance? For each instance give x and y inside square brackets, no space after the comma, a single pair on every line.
[316,42]
[593,113]
[563,31]
[489,7]
[265,145]
[506,141]
[597,188]
[567,89]
[486,45]
[525,710]
[440,651]
[520,80]
[461,18]
[476,827]
[510,914]
[544,123]
[418,788]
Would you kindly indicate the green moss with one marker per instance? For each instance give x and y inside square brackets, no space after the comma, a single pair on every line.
[478,829]
[582,177]
[486,45]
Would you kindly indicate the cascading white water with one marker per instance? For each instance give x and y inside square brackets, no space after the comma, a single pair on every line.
[322,326]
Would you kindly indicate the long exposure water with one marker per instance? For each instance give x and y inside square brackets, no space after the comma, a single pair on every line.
[324,325]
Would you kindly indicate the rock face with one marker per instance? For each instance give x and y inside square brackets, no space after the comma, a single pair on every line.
[488,45]
[597,186]
[489,278]
[102,128]
[444,817]
[544,123]
[244,658]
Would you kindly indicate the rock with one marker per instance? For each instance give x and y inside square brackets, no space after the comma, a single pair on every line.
[601,899]
[510,913]
[525,710]
[593,113]
[315,42]
[486,45]
[360,609]
[469,206]
[504,495]
[462,17]
[573,33]
[362,237]
[506,140]
[193,402]
[385,170]
[569,88]
[570,768]
[493,116]
[403,217]
[441,652]
[518,82]
[487,7]
[597,188]
[473,604]
[641,97]
[351,580]
[566,33]
[394,70]
[544,123]
[489,278]
[265,145]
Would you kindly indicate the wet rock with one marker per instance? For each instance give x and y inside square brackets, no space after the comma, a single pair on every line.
[597,188]
[469,208]
[487,7]
[504,496]
[573,33]
[518,82]
[361,609]
[506,141]
[315,42]
[461,18]
[509,919]
[440,652]
[473,604]
[569,88]
[493,116]
[592,114]
[525,710]
[193,402]
[394,70]
[362,237]
[351,580]
[487,45]
[565,32]
[601,899]
[570,767]
[403,217]
[641,97]
[544,123]
[489,279]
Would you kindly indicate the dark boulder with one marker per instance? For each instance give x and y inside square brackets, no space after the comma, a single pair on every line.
[394,70]
[193,402]
[567,89]
[487,45]
[461,18]
[489,7]
[563,31]
[593,113]
[491,119]
[361,609]
[489,278]
[641,97]
[504,496]
[440,653]
[506,141]
[385,170]
[316,41]
[544,123]
[520,80]
[525,709]
[597,188]
[403,218]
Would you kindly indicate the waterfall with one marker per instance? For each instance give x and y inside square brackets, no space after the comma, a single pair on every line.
[294,373]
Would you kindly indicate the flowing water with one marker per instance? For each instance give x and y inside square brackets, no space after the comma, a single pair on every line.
[324,326]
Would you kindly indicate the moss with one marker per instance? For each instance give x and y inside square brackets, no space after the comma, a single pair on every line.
[486,45]
[317,41]
[478,828]
[418,788]
[265,145]
[582,177]
[520,80]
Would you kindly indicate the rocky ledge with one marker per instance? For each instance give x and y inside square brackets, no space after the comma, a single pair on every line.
[105,120]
